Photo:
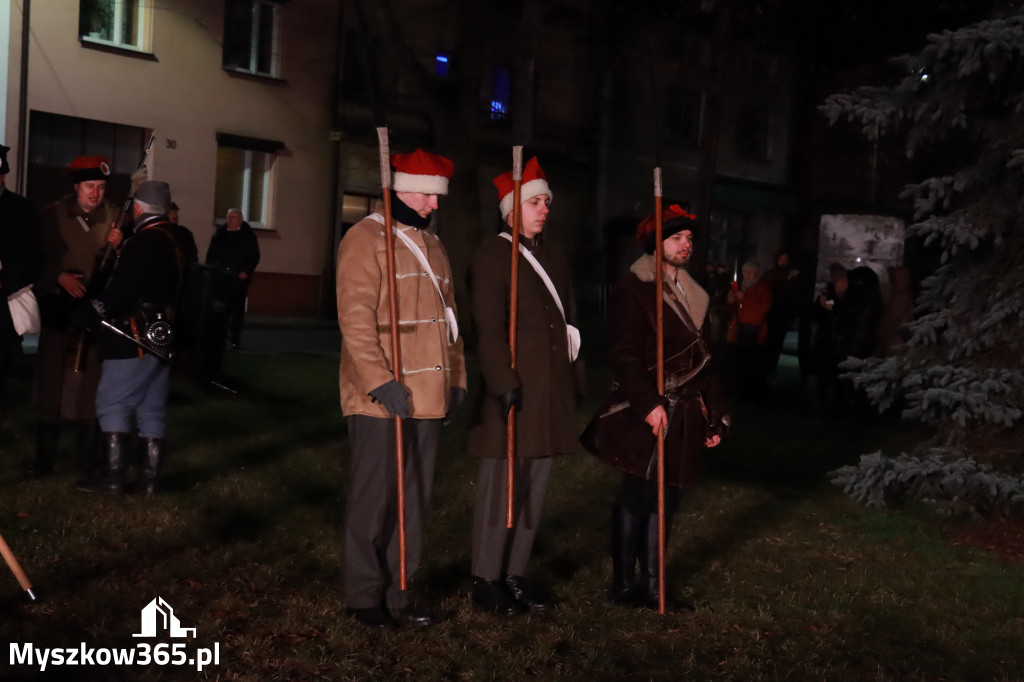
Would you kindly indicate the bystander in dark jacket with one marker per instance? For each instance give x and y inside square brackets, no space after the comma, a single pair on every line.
[234,247]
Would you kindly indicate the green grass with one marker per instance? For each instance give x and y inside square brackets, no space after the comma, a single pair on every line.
[791,579]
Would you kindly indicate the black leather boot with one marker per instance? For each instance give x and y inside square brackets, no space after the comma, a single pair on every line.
[626,536]
[152,455]
[47,441]
[110,479]
[647,585]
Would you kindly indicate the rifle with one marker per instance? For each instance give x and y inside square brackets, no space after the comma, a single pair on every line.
[157,354]
[101,273]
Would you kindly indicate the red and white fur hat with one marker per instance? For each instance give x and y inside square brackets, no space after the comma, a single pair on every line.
[423,172]
[534,183]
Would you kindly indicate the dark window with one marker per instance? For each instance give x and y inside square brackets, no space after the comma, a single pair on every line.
[441,63]
[753,132]
[501,94]
[250,36]
[682,116]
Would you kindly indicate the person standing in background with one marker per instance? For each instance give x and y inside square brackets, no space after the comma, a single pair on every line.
[235,248]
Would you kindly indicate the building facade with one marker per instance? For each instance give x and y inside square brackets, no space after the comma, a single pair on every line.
[238,95]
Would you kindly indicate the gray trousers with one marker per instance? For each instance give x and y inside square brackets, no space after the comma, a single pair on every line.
[498,550]
[371,566]
[134,386]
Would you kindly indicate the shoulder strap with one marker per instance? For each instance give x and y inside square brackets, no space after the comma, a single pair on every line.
[416,251]
[541,272]
[449,314]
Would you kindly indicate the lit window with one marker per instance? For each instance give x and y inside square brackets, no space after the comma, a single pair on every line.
[245,178]
[441,61]
[501,93]
[113,22]
[250,36]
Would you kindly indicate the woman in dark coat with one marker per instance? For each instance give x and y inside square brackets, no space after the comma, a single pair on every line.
[624,432]
[540,387]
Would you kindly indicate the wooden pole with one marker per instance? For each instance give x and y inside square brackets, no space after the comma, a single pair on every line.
[513,316]
[396,349]
[659,312]
[15,567]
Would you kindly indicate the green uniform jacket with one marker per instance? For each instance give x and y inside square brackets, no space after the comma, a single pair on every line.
[546,425]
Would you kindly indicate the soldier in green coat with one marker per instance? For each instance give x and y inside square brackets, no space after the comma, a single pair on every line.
[541,388]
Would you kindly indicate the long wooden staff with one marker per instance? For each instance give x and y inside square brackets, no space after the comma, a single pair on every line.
[15,567]
[513,316]
[396,350]
[659,316]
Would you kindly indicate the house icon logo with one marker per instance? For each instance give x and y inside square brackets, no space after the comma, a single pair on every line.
[158,616]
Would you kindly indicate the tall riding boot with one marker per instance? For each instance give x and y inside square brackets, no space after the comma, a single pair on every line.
[152,454]
[648,582]
[626,537]
[87,460]
[47,440]
[110,479]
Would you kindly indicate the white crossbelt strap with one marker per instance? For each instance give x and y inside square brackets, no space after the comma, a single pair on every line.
[571,332]
[449,314]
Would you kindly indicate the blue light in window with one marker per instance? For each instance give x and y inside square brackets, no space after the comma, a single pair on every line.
[501,92]
[442,64]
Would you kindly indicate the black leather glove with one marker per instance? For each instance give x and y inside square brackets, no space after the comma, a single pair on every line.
[394,397]
[510,399]
[455,400]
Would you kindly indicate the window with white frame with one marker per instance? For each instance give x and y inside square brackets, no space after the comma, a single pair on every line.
[245,178]
[120,23]
[250,36]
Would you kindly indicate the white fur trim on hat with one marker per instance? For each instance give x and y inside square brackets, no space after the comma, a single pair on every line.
[424,184]
[529,190]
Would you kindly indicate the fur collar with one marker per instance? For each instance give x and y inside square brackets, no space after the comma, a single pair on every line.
[684,291]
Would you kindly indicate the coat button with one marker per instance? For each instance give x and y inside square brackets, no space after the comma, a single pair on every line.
[438,368]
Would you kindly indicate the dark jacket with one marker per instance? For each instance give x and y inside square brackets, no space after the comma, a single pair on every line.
[546,425]
[21,251]
[144,281]
[623,439]
[237,251]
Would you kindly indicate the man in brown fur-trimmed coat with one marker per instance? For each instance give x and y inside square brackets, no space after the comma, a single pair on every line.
[541,388]
[624,433]
[433,384]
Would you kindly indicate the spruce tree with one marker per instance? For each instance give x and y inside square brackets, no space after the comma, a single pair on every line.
[960,103]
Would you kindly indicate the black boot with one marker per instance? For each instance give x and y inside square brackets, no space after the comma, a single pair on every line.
[647,586]
[47,440]
[87,460]
[626,536]
[109,481]
[152,455]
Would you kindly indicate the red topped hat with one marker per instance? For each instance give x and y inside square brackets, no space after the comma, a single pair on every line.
[673,219]
[89,168]
[534,183]
[422,172]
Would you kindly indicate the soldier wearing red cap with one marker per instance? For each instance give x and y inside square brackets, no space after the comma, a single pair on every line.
[431,388]
[541,387]
[75,231]
[624,431]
